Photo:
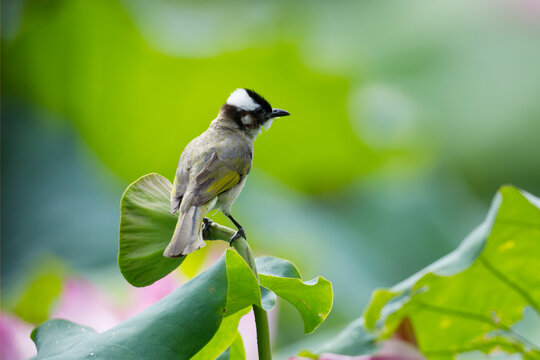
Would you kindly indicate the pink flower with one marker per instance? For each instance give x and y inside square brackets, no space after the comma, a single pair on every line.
[15,342]
[83,303]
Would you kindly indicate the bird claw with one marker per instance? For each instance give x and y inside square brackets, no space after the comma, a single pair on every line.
[238,234]
[206,226]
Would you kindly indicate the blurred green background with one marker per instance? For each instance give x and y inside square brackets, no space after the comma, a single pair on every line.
[407,117]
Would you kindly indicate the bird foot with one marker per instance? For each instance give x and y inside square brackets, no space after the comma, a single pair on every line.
[206,227]
[238,234]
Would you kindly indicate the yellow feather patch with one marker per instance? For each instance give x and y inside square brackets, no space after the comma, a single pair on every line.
[224,183]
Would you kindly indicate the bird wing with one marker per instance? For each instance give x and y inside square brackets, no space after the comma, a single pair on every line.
[179,187]
[225,169]
[181,180]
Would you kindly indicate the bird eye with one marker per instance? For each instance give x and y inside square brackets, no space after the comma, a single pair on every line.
[259,111]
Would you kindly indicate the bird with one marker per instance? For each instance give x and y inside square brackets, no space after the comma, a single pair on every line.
[213,168]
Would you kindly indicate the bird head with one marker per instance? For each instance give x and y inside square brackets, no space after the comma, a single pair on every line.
[249,111]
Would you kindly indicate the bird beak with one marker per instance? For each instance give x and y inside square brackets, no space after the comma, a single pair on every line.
[278,113]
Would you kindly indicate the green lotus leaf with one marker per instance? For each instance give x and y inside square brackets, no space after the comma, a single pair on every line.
[313,299]
[354,340]
[146,227]
[193,318]
[471,298]
[223,339]
[235,351]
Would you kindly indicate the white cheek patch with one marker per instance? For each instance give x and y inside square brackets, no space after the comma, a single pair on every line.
[267,124]
[241,99]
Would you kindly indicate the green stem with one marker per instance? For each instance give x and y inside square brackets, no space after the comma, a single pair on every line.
[263,333]
[261,318]
[220,232]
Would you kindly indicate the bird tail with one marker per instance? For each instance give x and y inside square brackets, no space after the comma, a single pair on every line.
[187,235]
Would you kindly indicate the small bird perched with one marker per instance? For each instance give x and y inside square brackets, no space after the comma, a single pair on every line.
[213,167]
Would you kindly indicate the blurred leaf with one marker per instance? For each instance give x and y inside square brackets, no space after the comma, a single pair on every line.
[89,63]
[235,351]
[176,327]
[57,224]
[307,355]
[378,299]
[223,339]
[146,227]
[354,340]
[36,302]
[268,299]
[471,298]
[312,299]
[192,263]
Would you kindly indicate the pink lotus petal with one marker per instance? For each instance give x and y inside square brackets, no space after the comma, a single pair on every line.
[85,304]
[399,349]
[15,342]
[142,298]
